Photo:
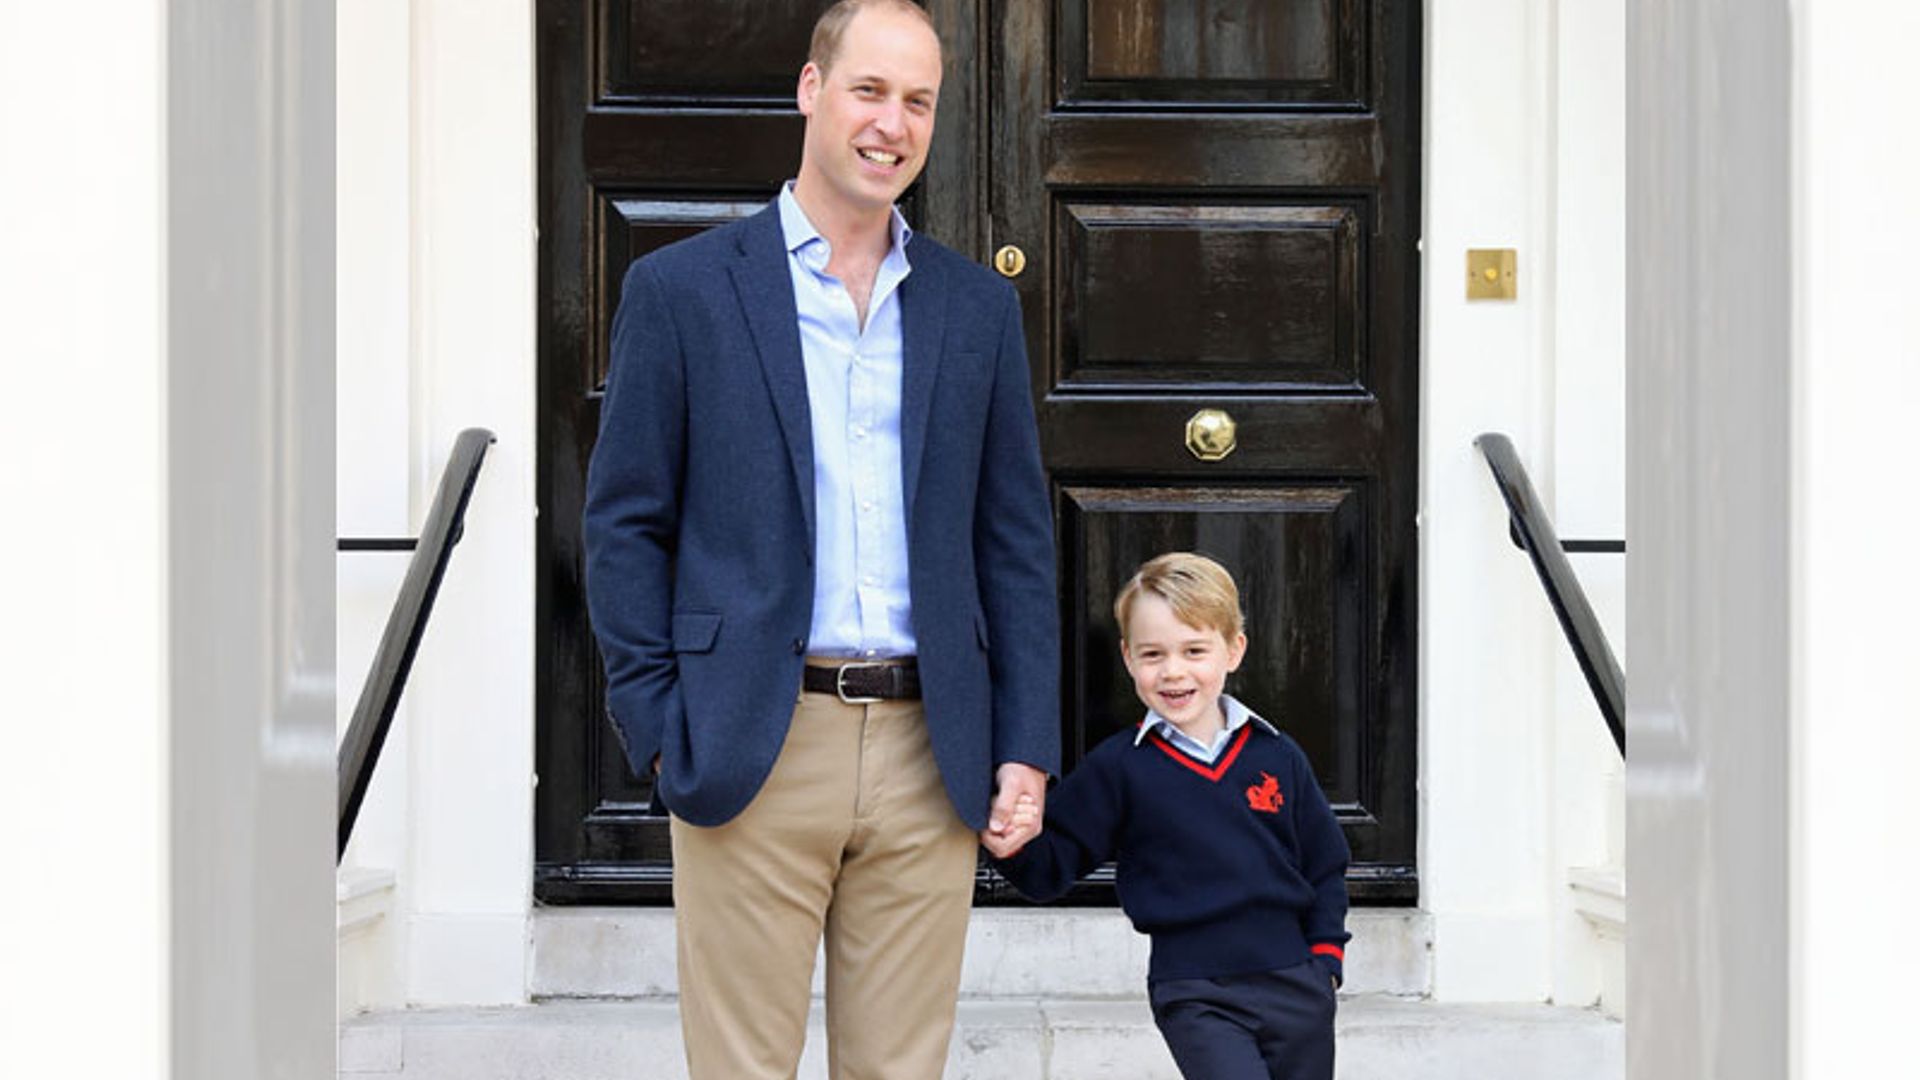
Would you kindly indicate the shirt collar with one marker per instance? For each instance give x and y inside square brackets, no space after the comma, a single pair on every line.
[799,231]
[1237,716]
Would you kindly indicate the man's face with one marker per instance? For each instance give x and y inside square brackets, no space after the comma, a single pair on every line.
[870,114]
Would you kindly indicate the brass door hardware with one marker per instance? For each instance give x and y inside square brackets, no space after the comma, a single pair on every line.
[1210,435]
[1492,274]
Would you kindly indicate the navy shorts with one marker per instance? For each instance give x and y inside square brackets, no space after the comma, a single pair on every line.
[1270,1025]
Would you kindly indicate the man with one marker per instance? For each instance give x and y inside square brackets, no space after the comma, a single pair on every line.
[820,567]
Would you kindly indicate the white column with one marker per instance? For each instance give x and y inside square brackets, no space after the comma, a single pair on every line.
[471,741]
[250,391]
[1487,636]
[1708,378]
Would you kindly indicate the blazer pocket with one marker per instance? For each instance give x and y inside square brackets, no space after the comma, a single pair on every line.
[980,630]
[695,631]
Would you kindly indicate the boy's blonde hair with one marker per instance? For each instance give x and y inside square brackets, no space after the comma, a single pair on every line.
[1199,590]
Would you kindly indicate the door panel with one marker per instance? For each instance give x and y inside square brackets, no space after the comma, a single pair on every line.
[1158,292]
[700,52]
[1209,52]
[1302,623]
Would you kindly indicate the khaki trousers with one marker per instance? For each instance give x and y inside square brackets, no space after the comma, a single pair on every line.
[852,837]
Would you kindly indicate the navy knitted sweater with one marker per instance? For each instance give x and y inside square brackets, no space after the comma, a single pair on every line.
[1231,868]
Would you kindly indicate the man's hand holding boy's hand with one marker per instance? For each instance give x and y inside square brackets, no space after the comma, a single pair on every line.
[1022,825]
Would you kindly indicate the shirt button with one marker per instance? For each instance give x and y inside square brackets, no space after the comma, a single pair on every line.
[867,506]
[799,646]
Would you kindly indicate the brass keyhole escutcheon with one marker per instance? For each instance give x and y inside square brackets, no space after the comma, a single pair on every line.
[1210,435]
[1010,261]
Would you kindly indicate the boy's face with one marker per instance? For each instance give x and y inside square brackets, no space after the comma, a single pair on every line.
[1178,670]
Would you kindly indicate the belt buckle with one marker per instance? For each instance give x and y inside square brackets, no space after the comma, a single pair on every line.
[840,684]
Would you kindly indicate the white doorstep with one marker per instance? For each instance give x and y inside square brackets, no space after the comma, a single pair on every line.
[1047,952]
[1380,1037]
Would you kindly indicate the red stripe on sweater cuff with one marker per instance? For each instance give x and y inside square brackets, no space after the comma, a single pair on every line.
[1330,950]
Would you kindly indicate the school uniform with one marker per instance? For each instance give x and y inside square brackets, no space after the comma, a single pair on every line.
[1231,860]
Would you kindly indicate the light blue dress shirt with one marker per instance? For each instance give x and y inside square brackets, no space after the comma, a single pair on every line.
[860,598]
[1236,714]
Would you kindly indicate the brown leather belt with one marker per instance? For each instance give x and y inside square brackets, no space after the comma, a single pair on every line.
[861,682]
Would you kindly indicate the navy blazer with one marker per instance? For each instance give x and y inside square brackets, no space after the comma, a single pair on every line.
[699,522]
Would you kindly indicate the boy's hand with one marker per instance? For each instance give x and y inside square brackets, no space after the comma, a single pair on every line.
[1022,825]
[1013,781]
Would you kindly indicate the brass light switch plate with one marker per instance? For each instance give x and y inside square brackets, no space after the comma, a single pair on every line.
[1491,274]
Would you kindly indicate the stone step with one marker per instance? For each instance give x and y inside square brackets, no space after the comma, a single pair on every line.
[1045,952]
[1380,1037]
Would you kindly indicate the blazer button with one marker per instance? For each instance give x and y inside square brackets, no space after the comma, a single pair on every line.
[799,646]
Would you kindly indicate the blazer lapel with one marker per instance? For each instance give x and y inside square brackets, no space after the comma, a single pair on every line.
[923,327]
[765,290]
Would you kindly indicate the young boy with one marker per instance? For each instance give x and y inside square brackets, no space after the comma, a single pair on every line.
[1229,856]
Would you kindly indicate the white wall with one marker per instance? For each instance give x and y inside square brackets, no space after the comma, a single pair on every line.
[1856,381]
[437,308]
[1522,151]
[82,557]
[376,475]
[166,316]
[1586,487]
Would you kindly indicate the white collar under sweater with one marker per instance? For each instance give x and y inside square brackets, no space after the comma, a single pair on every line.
[1236,714]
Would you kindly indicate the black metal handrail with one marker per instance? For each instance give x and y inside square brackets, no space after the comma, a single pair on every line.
[377,543]
[406,623]
[1533,531]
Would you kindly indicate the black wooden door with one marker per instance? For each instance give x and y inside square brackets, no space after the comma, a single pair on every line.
[1218,203]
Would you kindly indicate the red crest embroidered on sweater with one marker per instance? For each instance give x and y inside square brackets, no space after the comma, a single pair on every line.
[1265,796]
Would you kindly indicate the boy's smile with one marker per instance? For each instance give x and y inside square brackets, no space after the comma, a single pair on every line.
[1174,699]
[1179,670]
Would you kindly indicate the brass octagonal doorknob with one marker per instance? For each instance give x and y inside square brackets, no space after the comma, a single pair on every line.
[1210,435]
[1010,261]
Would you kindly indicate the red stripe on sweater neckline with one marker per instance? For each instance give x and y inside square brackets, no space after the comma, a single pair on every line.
[1214,772]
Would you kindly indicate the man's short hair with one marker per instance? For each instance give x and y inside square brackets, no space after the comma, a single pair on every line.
[833,25]
[1200,592]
